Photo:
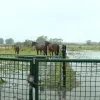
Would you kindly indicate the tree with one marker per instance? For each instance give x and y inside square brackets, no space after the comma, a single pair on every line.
[89,42]
[28,42]
[1,41]
[41,39]
[56,40]
[9,41]
[51,40]
[19,43]
[60,41]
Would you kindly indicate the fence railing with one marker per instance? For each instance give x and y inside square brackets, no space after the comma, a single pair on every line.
[54,79]
[13,75]
[81,81]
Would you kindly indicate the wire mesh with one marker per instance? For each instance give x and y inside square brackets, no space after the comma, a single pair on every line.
[82,80]
[13,84]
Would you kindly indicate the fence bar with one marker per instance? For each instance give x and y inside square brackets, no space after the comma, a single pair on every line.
[36,80]
[64,70]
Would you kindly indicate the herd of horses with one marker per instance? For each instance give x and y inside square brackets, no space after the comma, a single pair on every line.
[53,48]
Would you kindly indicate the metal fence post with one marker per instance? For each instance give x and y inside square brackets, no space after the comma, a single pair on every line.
[64,70]
[0,92]
[30,84]
[64,66]
[36,79]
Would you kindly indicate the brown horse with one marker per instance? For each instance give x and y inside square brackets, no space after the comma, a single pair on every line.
[53,48]
[40,47]
[16,47]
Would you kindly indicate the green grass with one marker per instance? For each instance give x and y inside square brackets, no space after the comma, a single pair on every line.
[22,51]
[13,66]
[52,82]
[1,82]
[31,50]
[83,47]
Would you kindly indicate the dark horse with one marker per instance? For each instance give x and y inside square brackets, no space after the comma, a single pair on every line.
[40,47]
[52,48]
[16,47]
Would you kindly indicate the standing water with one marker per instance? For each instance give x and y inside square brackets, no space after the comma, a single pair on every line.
[88,74]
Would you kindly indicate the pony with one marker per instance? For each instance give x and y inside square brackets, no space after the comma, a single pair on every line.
[17,48]
[40,47]
[52,48]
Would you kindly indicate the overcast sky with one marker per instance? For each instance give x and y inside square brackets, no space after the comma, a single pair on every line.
[71,20]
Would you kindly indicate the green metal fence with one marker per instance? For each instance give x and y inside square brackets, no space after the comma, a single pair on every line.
[54,79]
[13,79]
[8,55]
[80,80]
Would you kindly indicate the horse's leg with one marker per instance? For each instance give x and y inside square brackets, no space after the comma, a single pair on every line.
[55,53]
[40,52]
[18,52]
[49,53]
[37,52]
[15,50]
[44,52]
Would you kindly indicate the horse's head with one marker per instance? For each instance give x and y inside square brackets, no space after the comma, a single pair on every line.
[33,43]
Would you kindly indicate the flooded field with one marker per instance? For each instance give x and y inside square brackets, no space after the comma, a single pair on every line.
[88,74]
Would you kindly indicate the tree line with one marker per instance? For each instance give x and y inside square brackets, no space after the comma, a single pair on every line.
[40,39]
[28,42]
[7,41]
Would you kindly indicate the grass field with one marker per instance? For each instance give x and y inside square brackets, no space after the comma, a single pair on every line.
[31,50]
[1,82]
[56,77]
[23,50]
[83,47]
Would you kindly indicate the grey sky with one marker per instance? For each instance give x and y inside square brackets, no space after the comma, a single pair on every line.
[71,20]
